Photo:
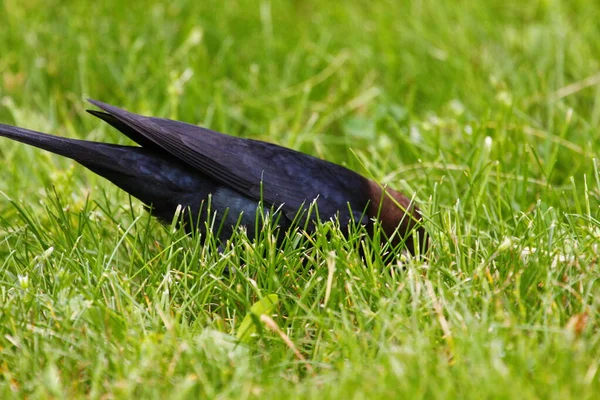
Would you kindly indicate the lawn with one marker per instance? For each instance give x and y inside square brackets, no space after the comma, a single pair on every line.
[486,112]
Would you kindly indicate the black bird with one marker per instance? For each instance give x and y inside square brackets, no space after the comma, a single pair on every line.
[182,164]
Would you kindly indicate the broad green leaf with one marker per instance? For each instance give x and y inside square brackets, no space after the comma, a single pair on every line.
[251,323]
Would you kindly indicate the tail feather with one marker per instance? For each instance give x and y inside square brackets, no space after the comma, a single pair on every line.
[102,158]
[158,180]
[71,148]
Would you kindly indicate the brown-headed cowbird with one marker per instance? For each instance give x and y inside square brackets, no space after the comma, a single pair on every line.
[181,164]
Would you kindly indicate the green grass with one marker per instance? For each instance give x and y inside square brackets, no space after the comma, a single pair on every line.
[487,112]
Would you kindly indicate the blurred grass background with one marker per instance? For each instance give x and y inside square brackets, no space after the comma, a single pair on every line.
[489,112]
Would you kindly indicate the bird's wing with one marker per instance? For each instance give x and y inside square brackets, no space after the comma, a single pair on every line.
[124,128]
[260,170]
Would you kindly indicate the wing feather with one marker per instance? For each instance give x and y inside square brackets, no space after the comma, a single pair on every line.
[278,175]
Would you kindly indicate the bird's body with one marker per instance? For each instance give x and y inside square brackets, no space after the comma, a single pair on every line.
[182,164]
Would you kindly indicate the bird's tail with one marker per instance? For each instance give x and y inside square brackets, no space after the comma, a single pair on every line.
[70,148]
[155,179]
[79,150]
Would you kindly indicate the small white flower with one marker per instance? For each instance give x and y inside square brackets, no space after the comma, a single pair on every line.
[415,134]
[504,98]
[23,281]
[487,144]
[457,107]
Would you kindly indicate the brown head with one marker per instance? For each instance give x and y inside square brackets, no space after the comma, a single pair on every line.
[397,214]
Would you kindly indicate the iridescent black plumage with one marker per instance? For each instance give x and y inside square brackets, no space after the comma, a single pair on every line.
[182,164]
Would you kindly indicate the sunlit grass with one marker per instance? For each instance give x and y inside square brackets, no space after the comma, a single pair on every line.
[487,113]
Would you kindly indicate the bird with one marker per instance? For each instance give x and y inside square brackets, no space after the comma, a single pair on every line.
[181,166]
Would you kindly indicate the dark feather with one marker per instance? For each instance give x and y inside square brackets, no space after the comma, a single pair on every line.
[281,176]
[183,164]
